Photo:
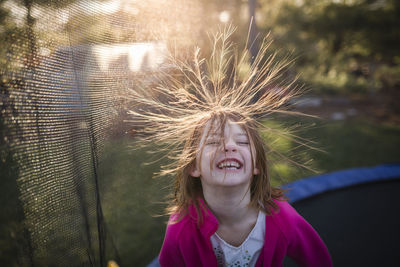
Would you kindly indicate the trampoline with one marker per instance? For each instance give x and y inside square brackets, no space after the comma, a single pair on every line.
[355,212]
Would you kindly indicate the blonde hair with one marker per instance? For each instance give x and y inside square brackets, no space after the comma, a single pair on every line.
[176,109]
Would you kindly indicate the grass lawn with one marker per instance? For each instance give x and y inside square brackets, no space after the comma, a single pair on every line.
[132,198]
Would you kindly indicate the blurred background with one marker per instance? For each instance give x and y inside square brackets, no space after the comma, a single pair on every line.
[75,191]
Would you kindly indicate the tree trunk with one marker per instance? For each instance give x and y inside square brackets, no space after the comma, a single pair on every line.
[252,42]
[31,54]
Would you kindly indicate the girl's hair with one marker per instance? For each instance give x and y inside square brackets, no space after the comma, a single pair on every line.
[174,109]
[188,190]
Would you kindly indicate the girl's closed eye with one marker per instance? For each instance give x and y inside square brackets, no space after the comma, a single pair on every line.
[212,142]
[243,142]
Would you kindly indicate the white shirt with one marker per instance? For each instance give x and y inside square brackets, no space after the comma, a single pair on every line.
[247,253]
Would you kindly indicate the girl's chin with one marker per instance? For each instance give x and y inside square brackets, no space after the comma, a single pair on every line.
[231,179]
[232,184]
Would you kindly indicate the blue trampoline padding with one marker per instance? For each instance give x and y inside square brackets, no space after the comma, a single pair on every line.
[311,186]
[154,263]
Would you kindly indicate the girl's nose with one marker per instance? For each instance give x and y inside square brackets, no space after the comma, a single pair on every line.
[230,147]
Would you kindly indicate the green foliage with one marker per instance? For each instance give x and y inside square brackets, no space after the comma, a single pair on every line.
[10,38]
[48,3]
[389,77]
[341,46]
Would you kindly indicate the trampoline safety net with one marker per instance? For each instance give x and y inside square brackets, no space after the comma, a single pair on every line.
[65,69]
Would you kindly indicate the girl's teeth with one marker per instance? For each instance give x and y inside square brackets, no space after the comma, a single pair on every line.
[229,164]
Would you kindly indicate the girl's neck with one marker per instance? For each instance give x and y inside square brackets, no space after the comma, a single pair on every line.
[230,205]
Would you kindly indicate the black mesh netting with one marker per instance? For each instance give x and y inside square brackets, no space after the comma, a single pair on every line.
[71,193]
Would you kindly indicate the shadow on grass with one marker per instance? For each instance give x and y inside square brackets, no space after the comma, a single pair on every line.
[132,202]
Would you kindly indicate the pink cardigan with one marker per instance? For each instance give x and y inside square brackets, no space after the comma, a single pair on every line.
[286,233]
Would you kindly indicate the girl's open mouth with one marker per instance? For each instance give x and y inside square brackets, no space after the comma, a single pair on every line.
[229,164]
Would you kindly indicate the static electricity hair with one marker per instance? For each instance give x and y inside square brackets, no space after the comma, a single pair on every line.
[174,109]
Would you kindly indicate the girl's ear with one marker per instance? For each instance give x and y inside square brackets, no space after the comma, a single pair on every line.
[194,172]
[256,171]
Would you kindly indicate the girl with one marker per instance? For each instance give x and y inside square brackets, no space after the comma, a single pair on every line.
[227,213]
[224,211]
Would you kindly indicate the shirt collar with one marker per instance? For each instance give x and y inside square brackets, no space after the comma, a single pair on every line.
[210,222]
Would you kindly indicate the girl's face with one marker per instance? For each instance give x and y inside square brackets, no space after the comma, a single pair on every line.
[225,160]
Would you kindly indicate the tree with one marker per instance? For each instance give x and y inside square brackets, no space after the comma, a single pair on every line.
[253,46]
[31,53]
[342,45]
